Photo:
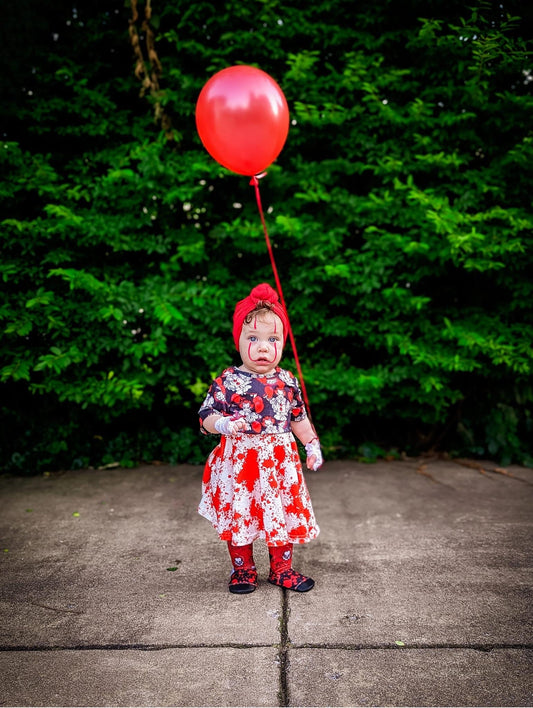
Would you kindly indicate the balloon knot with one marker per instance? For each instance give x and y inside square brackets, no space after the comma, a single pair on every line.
[254,181]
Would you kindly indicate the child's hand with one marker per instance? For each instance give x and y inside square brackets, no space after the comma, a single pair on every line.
[230,426]
[314,455]
[238,424]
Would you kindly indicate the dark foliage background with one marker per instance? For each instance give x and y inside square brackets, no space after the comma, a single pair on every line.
[400,211]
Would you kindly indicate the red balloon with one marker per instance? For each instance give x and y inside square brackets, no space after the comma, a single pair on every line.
[242,118]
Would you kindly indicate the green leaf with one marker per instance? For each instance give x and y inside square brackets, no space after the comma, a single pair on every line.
[19,369]
[166,312]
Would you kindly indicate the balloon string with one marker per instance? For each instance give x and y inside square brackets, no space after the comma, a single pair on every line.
[255,183]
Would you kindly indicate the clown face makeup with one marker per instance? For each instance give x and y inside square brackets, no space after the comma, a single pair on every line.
[261,343]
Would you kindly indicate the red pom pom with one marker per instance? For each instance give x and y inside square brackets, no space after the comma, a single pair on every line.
[264,293]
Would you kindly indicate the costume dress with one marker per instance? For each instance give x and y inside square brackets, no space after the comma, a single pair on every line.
[253,485]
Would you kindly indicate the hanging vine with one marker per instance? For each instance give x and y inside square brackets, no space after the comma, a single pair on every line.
[148,70]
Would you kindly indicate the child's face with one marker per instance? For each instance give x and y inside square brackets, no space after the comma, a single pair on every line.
[261,343]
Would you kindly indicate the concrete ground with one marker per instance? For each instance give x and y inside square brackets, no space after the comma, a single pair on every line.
[113,592]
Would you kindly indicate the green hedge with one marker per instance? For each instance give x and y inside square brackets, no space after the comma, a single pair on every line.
[400,212]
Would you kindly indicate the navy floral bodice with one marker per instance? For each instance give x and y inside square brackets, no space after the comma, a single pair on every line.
[268,403]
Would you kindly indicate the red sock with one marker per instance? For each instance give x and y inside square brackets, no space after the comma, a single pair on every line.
[280,558]
[242,557]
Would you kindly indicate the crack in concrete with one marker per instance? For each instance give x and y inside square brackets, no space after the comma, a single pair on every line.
[283,647]
[417,646]
[283,655]
[131,647]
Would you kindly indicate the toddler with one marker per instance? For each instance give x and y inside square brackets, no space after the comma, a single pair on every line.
[253,485]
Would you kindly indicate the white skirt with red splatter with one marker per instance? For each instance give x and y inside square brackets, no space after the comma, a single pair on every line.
[254,488]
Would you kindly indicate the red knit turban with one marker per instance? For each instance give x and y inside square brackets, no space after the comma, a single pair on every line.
[261,293]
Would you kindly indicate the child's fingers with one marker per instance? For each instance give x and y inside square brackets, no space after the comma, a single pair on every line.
[238,424]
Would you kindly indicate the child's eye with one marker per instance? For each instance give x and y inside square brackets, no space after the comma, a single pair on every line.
[273,339]
[253,338]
